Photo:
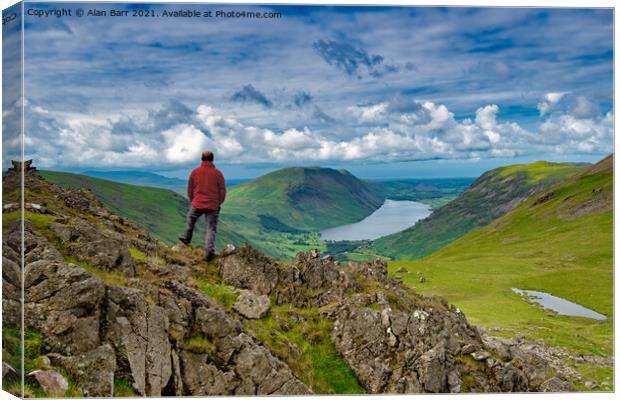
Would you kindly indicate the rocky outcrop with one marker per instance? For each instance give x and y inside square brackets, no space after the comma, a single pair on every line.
[249,269]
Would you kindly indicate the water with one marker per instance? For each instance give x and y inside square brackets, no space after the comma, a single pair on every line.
[560,305]
[393,216]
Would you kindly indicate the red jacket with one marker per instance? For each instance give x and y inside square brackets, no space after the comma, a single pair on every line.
[206,188]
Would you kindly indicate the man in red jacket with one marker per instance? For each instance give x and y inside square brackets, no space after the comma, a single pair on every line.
[206,191]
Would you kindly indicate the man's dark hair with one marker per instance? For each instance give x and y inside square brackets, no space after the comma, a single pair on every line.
[207,156]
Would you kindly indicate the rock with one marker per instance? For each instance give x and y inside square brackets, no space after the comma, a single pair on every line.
[556,385]
[422,279]
[51,381]
[63,302]
[590,384]
[468,348]
[93,371]
[480,355]
[402,270]
[8,372]
[228,250]
[107,254]
[252,306]
[249,269]
[138,331]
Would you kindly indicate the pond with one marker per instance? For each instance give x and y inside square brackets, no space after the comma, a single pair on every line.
[393,216]
[560,305]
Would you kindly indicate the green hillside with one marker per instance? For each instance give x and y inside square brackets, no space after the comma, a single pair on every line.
[560,242]
[494,193]
[306,198]
[160,211]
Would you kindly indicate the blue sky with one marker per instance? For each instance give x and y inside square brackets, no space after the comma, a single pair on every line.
[384,92]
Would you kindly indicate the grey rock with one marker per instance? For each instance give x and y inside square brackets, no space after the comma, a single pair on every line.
[249,269]
[251,305]
[107,254]
[8,372]
[51,382]
[63,303]
[402,270]
[93,371]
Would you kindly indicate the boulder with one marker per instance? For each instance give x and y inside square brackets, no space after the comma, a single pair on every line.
[92,371]
[107,254]
[8,372]
[63,302]
[51,382]
[251,305]
[249,269]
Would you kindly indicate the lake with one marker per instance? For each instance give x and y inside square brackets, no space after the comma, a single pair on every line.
[393,216]
[560,305]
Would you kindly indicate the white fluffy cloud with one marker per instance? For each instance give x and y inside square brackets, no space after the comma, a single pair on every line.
[391,130]
[549,101]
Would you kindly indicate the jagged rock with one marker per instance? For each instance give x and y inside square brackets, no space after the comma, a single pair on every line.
[51,381]
[11,293]
[8,372]
[138,331]
[92,371]
[251,305]
[249,269]
[422,279]
[252,369]
[480,355]
[63,302]
[107,254]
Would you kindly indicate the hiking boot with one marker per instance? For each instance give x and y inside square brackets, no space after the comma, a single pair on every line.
[209,257]
[184,240]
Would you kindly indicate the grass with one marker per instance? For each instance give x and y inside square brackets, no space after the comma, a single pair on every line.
[200,345]
[218,291]
[138,255]
[301,338]
[547,247]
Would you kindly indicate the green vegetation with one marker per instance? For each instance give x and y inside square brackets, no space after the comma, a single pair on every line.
[560,242]
[301,338]
[488,198]
[123,389]
[199,344]
[218,291]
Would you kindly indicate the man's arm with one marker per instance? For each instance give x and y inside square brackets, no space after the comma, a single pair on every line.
[190,187]
[222,187]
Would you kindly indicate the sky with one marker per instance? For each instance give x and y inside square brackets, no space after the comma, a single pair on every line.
[383,92]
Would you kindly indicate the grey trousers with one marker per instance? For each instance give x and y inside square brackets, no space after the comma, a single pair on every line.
[211,217]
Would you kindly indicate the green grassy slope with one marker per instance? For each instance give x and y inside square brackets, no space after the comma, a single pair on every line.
[160,211]
[490,196]
[559,241]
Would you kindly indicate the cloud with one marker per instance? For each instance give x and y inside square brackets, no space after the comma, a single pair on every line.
[549,101]
[249,94]
[584,108]
[352,60]
[302,99]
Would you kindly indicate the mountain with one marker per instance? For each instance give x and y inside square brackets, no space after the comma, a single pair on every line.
[140,178]
[434,192]
[112,312]
[143,178]
[306,198]
[559,241]
[160,211]
[493,194]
